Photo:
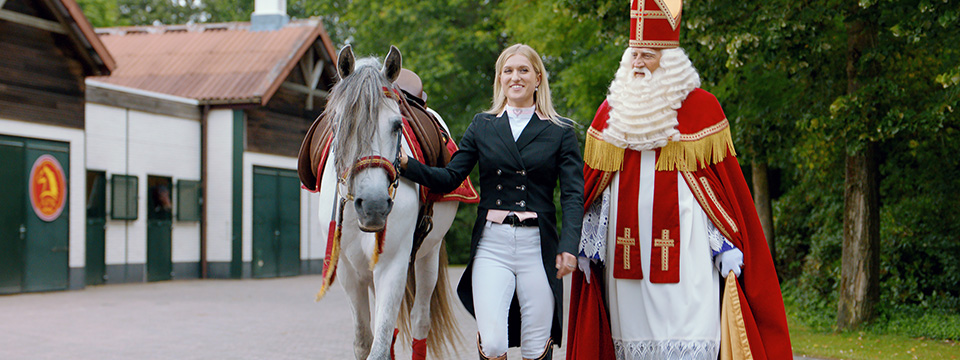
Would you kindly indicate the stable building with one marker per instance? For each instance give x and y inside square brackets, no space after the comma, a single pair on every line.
[194,139]
[174,159]
[47,48]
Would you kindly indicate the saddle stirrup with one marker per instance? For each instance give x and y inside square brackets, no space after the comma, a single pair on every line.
[484,356]
[547,352]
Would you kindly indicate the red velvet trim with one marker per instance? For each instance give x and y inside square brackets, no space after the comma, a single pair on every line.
[419,349]
[699,111]
[665,239]
[626,254]
[588,332]
[464,193]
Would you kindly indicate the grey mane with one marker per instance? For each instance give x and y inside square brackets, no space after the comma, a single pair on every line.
[354,105]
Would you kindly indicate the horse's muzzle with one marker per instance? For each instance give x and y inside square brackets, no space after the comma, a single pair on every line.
[372,214]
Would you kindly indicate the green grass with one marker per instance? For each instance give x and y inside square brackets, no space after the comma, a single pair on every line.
[860,345]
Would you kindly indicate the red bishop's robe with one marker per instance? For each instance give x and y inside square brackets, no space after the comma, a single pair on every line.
[706,159]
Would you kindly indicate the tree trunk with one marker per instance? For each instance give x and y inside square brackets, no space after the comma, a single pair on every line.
[860,272]
[860,269]
[761,199]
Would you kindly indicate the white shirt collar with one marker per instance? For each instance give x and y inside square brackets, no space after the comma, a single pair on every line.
[524,111]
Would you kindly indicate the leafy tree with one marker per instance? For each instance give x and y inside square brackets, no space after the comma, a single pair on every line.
[149,12]
[100,13]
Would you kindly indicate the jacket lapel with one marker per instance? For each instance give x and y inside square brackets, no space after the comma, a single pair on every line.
[530,132]
[501,125]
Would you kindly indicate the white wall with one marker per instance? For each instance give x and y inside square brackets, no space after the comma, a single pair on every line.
[77,182]
[131,142]
[219,192]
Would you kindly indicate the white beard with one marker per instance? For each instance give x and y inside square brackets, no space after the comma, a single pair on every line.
[643,112]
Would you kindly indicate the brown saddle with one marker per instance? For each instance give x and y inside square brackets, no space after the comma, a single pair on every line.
[429,133]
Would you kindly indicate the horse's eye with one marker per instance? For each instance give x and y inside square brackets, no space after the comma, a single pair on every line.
[397,125]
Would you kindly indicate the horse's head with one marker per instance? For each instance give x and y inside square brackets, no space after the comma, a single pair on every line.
[367,123]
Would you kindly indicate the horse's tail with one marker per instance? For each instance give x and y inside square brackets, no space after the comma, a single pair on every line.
[444,330]
[444,335]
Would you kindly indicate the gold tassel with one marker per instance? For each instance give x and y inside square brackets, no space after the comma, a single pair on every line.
[734,344]
[334,257]
[377,249]
[697,154]
[601,155]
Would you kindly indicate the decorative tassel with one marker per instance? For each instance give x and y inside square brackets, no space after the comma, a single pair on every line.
[393,343]
[601,155]
[696,154]
[378,249]
[333,251]
[330,268]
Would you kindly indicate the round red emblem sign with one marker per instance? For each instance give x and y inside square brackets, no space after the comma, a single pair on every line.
[47,188]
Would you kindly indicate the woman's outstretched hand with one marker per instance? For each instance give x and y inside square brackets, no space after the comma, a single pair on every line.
[566,264]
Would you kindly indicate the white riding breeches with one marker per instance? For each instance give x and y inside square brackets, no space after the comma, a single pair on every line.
[508,260]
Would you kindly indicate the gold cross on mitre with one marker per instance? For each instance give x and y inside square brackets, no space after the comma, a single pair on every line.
[627,242]
[665,243]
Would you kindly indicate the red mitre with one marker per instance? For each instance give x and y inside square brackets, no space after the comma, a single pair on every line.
[655,23]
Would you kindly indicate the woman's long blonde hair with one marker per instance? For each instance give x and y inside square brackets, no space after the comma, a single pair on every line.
[542,98]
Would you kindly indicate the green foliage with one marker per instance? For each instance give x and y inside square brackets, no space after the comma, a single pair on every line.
[151,12]
[100,13]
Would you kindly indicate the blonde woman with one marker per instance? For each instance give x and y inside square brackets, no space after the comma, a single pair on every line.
[517,257]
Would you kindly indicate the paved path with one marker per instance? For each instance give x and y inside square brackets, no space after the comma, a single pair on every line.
[192,319]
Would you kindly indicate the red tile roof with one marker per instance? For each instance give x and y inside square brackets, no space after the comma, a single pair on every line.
[219,63]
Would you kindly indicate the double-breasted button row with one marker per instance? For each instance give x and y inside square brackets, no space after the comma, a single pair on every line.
[522,203]
[521,172]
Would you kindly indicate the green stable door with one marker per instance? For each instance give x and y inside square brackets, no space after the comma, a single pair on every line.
[34,215]
[276,222]
[96,264]
[159,228]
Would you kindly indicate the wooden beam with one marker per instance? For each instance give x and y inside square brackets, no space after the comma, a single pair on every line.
[1,3]
[314,80]
[51,26]
[304,89]
[153,105]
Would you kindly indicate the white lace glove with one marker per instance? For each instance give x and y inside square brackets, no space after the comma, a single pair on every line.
[730,260]
[584,264]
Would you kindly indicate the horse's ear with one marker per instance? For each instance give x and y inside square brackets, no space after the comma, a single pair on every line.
[345,62]
[392,64]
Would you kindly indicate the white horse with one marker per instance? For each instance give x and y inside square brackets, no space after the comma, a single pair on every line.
[376,212]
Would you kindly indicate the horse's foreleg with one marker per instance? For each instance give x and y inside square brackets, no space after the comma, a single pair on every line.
[390,278]
[356,283]
[425,270]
